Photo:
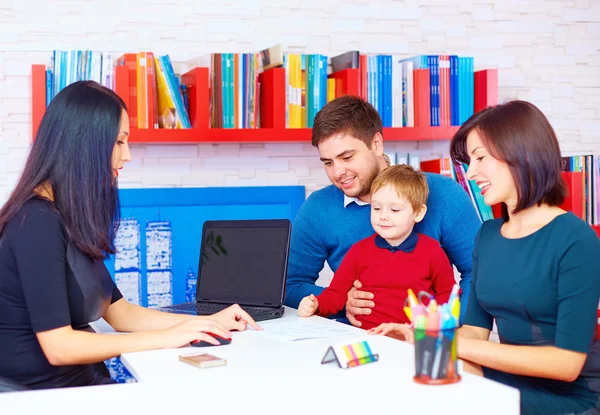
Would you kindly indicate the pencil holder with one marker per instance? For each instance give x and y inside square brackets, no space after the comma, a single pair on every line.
[435,357]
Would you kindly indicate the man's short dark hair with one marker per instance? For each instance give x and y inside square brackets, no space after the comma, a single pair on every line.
[349,115]
[519,134]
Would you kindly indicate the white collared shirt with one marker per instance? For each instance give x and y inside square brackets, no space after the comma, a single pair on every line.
[348,200]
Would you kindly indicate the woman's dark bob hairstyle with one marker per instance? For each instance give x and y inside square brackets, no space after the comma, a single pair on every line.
[72,154]
[518,134]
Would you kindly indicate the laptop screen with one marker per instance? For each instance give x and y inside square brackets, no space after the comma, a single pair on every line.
[244,261]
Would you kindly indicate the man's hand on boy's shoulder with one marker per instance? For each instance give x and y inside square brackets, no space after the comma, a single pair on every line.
[359,303]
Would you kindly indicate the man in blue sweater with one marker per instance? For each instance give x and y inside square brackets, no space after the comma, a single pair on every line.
[348,134]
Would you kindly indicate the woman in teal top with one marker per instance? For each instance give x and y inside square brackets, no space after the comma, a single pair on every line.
[536,271]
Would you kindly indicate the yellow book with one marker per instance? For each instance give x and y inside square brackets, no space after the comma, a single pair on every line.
[142,94]
[167,115]
[330,89]
[293,111]
[298,80]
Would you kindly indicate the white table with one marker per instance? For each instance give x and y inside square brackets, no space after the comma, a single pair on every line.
[268,376]
[293,371]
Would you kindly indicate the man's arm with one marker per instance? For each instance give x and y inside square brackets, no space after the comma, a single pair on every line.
[459,225]
[307,258]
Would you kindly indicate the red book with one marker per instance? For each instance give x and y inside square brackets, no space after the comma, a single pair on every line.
[152,93]
[486,89]
[129,60]
[272,98]
[364,77]
[422,99]
[574,201]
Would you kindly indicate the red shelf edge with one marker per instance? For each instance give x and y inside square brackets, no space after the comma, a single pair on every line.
[283,135]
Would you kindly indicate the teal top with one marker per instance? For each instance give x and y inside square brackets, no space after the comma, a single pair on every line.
[542,289]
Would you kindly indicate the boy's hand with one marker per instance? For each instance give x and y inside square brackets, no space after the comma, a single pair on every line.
[308,306]
[397,331]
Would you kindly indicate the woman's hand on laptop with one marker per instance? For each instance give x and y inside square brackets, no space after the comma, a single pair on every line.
[234,318]
[193,329]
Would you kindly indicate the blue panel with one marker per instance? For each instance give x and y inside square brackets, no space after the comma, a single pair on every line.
[181,213]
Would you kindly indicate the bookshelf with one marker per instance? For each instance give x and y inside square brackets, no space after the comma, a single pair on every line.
[272,112]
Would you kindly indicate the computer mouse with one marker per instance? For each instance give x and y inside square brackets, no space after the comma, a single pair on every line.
[202,343]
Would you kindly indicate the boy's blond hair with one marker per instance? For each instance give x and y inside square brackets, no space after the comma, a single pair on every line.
[408,183]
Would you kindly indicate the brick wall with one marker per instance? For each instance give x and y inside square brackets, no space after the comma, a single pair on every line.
[546,52]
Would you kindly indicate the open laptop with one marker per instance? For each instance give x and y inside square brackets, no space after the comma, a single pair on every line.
[241,262]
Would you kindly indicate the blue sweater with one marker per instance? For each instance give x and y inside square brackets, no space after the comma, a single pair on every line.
[324,231]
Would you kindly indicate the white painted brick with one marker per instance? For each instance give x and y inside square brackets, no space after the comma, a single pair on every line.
[278,164]
[592,140]
[290,149]
[14,165]
[459,31]
[432,26]
[302,172]
[221,163]
[297,162]
[233,181]
[16,68]
[582,15]
[169,166]
[282,179]
[580,47]
[227,150]
[563,91]
[4,148]
[172,151]
[157,179]
[592,28]
[217,25]
[486,42]
[377,11]
[553,60]
[247,173]
[348,25]
[564,106]
[458,45]
[130,185]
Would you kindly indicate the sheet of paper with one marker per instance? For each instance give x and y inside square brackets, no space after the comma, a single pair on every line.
[297,330]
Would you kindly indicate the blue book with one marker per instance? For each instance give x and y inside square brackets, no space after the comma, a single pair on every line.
[323,81]
[244,58]
[387,90]
[380,85]
[434,80]
[454,119]
[174,90]
[49,83]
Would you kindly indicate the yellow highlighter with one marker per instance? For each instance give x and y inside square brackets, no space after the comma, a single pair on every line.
[412,302]
[408,313]
[455,310]
[412,298]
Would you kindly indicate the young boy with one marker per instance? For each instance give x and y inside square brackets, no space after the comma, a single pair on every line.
[391,261]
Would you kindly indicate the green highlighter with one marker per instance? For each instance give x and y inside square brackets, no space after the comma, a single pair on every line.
[420,321]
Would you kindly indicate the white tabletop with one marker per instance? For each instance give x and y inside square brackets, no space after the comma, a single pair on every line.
[273,376]
[293,369]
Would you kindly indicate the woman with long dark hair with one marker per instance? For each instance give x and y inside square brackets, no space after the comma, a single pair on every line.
[536,270]
[56,229]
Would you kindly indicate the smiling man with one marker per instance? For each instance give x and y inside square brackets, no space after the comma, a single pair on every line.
[349,136]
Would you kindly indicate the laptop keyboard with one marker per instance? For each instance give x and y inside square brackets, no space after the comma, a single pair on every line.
[211,308]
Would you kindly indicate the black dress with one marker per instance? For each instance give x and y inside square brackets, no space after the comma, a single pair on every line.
[46,283]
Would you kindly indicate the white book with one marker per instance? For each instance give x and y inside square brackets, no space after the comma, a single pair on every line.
[408,91]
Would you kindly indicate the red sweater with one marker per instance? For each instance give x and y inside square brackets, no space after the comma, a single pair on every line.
[388,274]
